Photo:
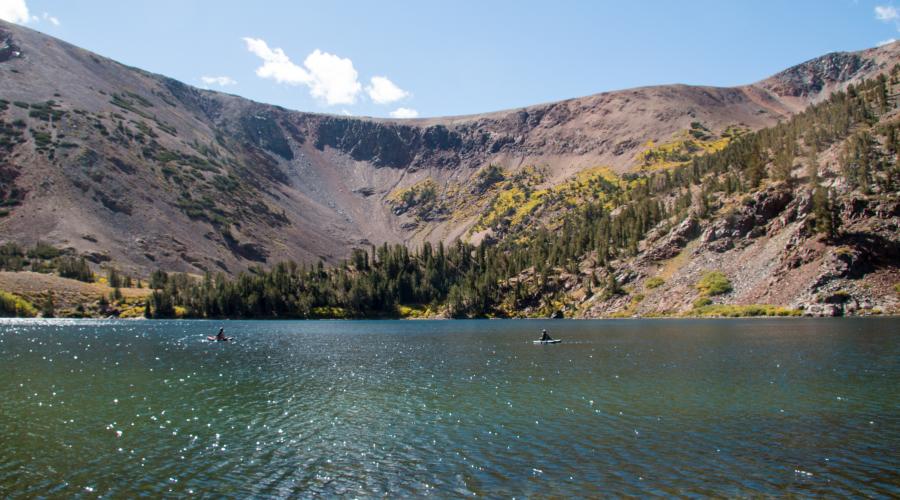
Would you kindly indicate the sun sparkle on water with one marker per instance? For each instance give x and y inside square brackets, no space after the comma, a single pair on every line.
[761,407]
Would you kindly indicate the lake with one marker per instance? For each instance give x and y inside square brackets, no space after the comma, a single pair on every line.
[806,407]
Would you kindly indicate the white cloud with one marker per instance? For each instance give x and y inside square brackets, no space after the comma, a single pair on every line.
[334,79]
[14,11]
[886,13]
[276,64]
[885,42]
[404,113]
[222,81]
[329,77]
[53,20]
[383,91]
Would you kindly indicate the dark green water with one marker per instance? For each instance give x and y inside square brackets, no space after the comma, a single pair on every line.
[456,408]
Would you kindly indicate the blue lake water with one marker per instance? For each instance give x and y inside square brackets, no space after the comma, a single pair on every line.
[806,407]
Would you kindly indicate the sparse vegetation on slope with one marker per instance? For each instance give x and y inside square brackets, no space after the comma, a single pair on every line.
[681,150]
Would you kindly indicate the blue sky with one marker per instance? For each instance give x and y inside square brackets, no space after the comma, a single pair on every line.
[448,58]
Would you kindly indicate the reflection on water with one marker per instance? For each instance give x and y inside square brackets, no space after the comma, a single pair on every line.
[725,407]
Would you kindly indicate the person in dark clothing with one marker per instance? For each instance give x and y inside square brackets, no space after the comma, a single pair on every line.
[545,335]
[221,334]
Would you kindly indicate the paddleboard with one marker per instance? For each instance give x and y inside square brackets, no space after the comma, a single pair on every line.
[554,341]
[212,338]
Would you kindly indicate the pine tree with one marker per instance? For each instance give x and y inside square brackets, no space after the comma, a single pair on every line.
[103,304]
[812,168]
[114,278]
[48,309]
[824,213]
[784,163]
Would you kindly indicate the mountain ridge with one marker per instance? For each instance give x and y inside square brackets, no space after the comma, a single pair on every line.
[228,183]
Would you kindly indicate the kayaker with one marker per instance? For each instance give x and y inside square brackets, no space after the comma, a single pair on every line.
[545,336]
[221,335]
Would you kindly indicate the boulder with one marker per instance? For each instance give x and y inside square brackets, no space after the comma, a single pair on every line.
[672,244]
[770,203]
[823,310]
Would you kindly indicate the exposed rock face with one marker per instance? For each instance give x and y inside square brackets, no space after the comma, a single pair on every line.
[393,145]
[8,47]
[677,239]
[812,77]
[747,221]
[262,131]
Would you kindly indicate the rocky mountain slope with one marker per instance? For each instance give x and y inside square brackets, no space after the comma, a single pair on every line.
[802,218]
[146,172]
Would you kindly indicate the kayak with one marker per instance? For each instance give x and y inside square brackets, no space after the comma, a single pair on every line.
[554,341]
[212,338]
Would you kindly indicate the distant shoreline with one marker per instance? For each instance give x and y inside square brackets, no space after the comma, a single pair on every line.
[631,318]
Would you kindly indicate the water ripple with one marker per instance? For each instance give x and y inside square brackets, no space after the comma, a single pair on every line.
[367,409]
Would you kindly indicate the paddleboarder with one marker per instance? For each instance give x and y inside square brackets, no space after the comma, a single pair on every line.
[545,336]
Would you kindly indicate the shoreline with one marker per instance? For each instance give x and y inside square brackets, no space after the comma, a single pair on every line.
[631,318]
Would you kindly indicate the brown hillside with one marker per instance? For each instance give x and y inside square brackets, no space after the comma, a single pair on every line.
[148,172]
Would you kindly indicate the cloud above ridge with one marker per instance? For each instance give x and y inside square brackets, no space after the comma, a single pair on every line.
[14,11]
[330,78]
[404,113]
[383,91]
[221,81]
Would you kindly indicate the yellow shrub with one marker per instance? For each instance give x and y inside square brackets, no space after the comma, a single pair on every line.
[654,282]
[329,313]
[733,311]
[15,306]
[713,283]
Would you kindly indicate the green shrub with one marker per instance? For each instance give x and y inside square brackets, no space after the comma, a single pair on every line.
[843,251]
[41,139]
[655,282]
[12,257]
[78,269]
[48,308]
[491,175]
[702,302]
[45,112]
[753,310]
[43,251]
[713,283]
[158,279]
[13,306]
[838,297]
